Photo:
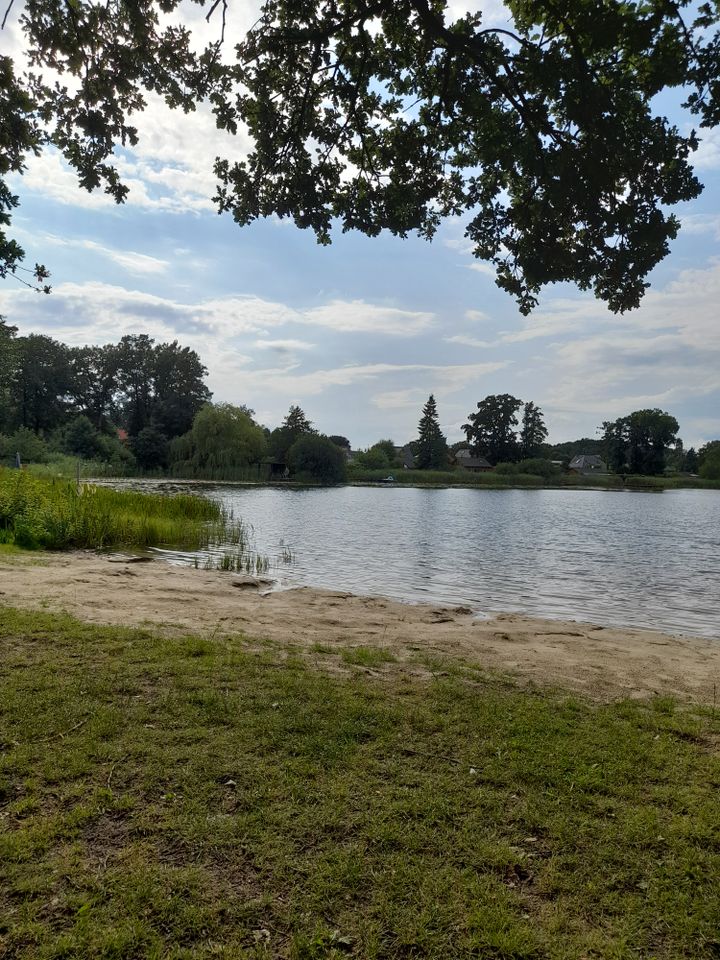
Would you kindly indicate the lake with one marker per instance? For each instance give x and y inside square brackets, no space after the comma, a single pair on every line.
[617,558]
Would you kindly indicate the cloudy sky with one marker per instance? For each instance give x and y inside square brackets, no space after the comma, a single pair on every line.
[358,333]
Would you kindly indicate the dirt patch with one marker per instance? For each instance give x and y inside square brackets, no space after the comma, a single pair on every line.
[598,662]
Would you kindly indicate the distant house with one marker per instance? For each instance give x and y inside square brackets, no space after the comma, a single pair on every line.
[466,460]
[122,435]
[587,464]
[406,456]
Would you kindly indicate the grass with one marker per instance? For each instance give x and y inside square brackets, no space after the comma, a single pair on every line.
[56,514]
[367,656]
[210,797]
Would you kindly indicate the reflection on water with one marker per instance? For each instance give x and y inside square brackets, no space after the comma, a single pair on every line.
[642,559]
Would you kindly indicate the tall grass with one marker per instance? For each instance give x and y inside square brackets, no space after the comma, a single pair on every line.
[57,514]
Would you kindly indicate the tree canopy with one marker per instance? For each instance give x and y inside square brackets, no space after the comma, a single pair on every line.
[639,442]
[545,136]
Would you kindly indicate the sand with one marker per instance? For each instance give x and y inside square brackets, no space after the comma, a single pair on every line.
[600,662]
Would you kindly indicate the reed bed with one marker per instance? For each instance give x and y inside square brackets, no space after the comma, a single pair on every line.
[37,512]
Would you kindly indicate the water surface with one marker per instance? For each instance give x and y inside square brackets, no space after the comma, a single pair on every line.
[620,558]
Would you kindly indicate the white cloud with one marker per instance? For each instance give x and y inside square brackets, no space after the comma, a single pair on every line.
[284,346]
[707,156]
[359,316]
[702,223]
[468,341]
[399,399]
[486,269]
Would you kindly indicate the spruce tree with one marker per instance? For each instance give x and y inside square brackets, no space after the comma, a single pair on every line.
[432,452]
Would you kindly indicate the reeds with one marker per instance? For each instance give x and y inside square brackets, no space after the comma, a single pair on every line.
[58,514]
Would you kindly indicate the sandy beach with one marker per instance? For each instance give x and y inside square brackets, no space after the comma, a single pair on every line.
[600,662]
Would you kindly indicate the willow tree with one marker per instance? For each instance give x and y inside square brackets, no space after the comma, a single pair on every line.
[544,135]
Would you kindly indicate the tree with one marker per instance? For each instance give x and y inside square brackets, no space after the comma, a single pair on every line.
[388,115]
[93,374]
[162,384]
[432,450]
[8,357]
[179,392]
[709,460]
[533,432]
[294,426]
[388,448]
[491,430]
[40,383]
[340,441]
[222,438]
[638,442]
[690,464]
[134,363]
[81,439]
[150,448]
[316,458]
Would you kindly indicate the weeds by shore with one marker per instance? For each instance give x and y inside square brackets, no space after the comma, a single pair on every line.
[58,514]
[212,796]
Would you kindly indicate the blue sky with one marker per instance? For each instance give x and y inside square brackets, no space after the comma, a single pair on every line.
[358,333]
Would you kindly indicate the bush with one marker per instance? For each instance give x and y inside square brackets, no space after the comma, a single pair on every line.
[150,448]
[317,460]
[710,470]
[29,445]
[539,467]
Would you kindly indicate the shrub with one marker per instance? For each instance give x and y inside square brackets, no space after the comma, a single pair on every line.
[316,459]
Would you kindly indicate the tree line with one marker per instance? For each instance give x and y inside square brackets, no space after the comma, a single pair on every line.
[644,442]
[141,404]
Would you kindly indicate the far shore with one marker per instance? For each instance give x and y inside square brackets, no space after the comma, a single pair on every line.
[599,662]
[653,485]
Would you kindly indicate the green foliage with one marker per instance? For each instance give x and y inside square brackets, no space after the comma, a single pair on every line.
[690,461]
[295,426]
[316,459]
[387,447]
[224,439]
[135,383]
[535,466]
[709,456]
[543,135]
[431,452]
[374,458]
[638,442]
[207,795]
[150,448]
[380,456]
[533,432]
[490,431]
[55,514]
[572,448]
[29,445]
[79,438]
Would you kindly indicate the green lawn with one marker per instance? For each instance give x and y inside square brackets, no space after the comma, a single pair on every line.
[216,797]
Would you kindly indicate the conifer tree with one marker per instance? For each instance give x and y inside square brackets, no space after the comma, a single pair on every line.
[533,432]
[432,452]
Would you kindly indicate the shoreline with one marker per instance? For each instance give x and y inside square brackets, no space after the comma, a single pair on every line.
[600,662]
[619,487]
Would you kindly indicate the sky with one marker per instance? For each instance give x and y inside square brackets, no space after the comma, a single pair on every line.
[361,332]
